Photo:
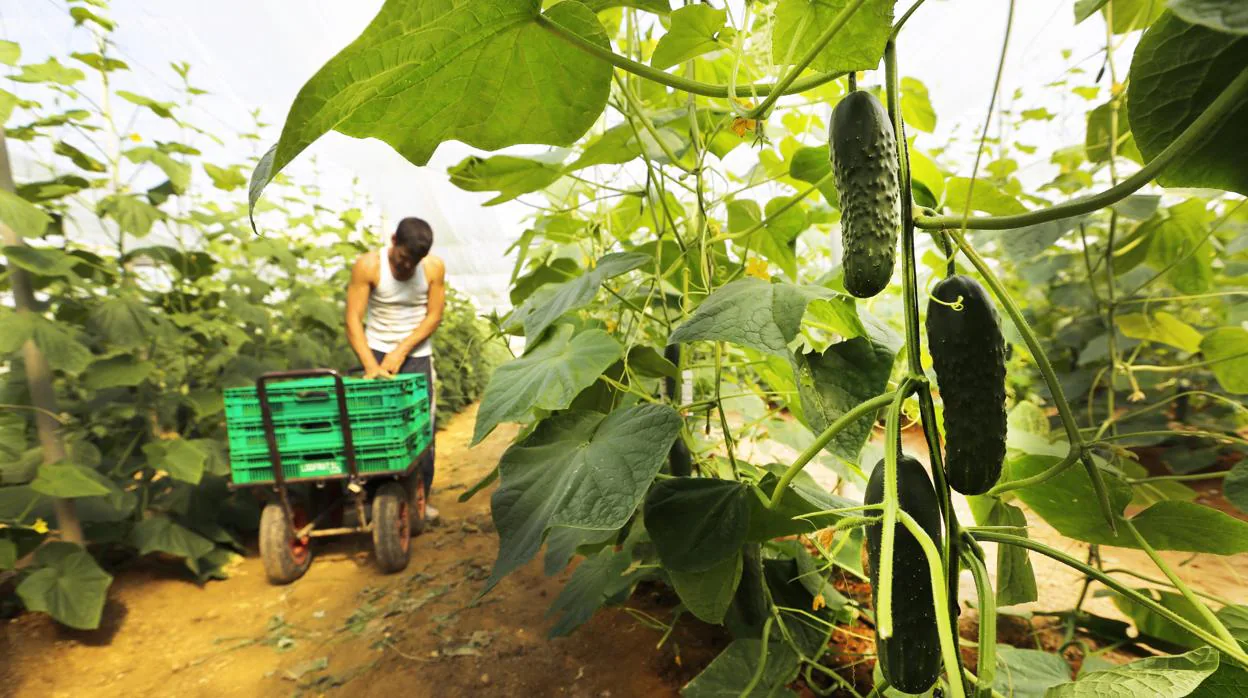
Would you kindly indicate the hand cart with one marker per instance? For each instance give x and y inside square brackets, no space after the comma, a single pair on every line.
[388,503]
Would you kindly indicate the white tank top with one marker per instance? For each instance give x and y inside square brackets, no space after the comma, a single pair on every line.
[396,307]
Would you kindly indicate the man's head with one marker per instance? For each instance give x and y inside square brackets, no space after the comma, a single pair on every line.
[412,239]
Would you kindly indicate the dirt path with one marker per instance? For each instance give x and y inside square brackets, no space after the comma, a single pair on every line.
[346,625]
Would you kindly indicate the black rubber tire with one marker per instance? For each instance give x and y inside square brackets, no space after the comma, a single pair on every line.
[285,558]
[392,531]
[416,504]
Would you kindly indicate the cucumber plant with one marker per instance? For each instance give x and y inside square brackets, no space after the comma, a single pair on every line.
[645,235]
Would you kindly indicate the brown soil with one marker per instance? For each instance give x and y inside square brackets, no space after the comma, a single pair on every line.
[421,632]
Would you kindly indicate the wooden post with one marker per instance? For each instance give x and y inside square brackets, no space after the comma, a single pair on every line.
[38,373]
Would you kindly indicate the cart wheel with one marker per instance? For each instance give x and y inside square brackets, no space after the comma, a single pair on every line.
[418,501]
[392,531]
[285,557]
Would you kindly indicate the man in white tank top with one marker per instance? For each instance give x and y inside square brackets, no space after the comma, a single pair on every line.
[394,303]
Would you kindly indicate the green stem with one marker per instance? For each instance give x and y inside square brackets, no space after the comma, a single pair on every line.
[1172,432]
[723,417]
[1049,473]
[940,600]
[1192,137]
[992,103]
[892,447]
[914,341]
[1185,367]
[675,81]
[1231,649]
[1179,584]
[987,623]
[863,409]
[838,22]
[1178,478]
[1046,370]
[1165,403]
[1143,577]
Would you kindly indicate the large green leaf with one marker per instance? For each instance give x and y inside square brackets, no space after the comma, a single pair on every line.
[51,71]
[118,371]
[597,579]
[708,594]
[985,197]
[10,52]
[735,667]
[1025,673]
[133,214]
[752,313]
[838,380]
[59,345]
[508,175]
[160,534]
[1177,240]
[1157,627]
[1229,681]
[66,584]
[812,165]
[859,45]
[916,106]
[1156,677]
[547,377]
[1235,486]
[22,217]
[541,311]
[776,238]
[695,30]
[1178,70]
[124,321]
[44,261]
[68,480]
[184,460]
[1067,502]
[1223,15]
[1160,327]
[1192,527]
[697,523]
[1016,580]
[179,173]
[577,469]
[486,73]
[1228,347]
[1100,130]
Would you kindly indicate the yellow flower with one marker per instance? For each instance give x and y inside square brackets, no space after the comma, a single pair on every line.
[40,526]
[757,268]
[818,603]
[136,137]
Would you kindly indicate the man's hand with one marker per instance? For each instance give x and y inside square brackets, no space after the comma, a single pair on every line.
[376,371]
[393,362]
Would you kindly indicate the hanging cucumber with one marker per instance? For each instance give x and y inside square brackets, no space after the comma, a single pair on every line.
[910,659]
[863,149]
[968,353]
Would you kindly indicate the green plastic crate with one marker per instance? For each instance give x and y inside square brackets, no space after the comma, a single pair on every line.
[322,463]
[367,429]
[315,399]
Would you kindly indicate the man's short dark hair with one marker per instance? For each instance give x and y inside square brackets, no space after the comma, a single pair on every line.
[415,235]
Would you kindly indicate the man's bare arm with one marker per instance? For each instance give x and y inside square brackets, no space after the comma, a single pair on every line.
[358,289]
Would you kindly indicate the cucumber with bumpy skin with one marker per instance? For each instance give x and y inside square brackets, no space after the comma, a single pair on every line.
[968,353]
[864,155]
[910,659]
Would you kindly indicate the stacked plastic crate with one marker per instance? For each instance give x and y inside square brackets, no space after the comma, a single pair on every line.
[389,427]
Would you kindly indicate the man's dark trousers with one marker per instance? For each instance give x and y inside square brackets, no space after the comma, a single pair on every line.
[421,364]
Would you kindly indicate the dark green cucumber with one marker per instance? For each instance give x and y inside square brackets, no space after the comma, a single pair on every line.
[968,353]
[864,156]
[910,659]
